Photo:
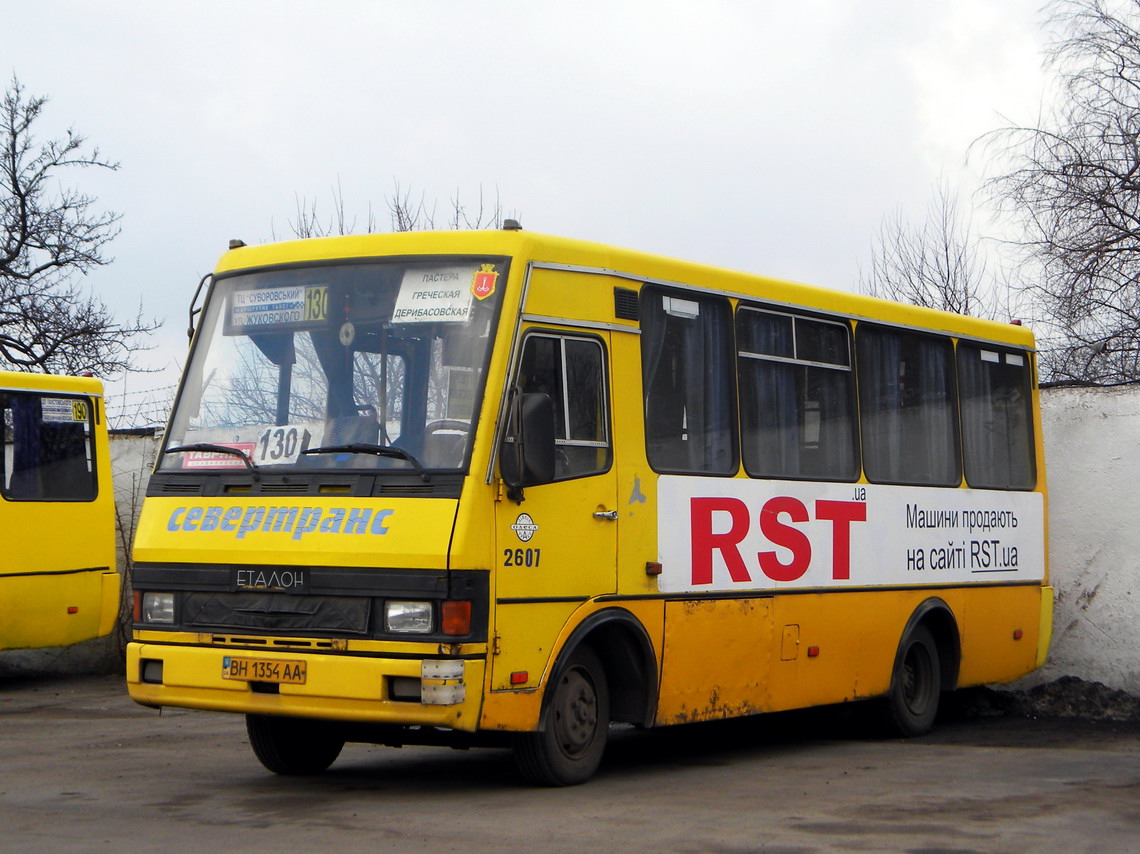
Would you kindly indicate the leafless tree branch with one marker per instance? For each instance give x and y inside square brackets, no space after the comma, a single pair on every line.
[49,234]
[1073,189]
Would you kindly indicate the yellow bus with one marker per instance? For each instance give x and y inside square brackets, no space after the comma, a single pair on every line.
[502,487]
[58,581]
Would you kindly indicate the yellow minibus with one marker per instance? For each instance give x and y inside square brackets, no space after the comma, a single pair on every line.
[500,487]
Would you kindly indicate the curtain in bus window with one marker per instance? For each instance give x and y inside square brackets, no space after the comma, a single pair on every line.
[770,427]
[689,383]
[797,407]
[907,407]
[996,432]
[880,398]
[829,402]
[27,416]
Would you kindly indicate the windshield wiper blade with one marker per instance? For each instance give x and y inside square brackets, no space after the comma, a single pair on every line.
[218,449]
[379,450]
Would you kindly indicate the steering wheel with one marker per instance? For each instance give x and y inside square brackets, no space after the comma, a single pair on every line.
[447,424]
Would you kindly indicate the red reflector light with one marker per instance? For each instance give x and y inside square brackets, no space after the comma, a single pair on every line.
[71,609]
[1018,634]
[652,568]
[520,677]
[813,651]
[456,617]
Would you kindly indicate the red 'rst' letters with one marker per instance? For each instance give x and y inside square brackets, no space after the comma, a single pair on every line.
[790,538]
[704,541]
[841,514]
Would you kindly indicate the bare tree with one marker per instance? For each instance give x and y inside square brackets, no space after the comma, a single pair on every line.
[1073,188]
[49,233]
[936,264]
[407,213]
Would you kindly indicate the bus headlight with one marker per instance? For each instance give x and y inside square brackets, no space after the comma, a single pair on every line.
[158,608]
[408,617]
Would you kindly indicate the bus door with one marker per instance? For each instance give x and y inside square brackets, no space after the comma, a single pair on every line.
[558,547]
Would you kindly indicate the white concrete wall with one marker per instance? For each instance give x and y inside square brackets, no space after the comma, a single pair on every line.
[131,460]
[1092,449]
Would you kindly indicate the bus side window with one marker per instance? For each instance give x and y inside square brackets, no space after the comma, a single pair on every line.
[689,382]
[572,372]
[797,406]
[908,411]
[47,450]
[997,432]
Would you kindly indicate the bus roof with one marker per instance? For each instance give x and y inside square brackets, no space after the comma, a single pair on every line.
[644,266]
[22,381]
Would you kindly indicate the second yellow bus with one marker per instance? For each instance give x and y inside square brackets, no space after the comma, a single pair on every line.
[58,581]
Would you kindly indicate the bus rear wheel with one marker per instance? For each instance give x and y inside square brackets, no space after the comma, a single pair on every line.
[293,746]
[569,748]
[916,685]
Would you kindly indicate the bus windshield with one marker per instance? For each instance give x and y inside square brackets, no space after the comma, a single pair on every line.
[345,365]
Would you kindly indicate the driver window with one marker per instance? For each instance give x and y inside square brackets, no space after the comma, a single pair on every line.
[571,371]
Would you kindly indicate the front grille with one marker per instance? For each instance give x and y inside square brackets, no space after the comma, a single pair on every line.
[287,607]
[275,612]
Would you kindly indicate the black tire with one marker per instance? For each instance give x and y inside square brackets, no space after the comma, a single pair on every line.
[569,748]
[293,746]
[916,684]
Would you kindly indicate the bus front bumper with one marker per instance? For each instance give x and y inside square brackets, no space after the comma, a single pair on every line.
[400,691]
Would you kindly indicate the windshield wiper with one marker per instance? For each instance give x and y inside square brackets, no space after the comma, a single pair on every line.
[378,450]
[218,449]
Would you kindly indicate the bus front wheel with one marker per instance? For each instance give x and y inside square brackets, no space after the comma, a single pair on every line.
[292,746]
[569,748]
[916,685]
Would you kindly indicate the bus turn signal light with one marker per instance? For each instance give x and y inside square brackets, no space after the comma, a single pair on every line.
[456,617]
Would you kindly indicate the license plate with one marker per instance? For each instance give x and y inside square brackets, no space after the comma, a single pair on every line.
[264,670]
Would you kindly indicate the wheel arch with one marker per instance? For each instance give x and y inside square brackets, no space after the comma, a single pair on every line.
[938,617]
[623,647]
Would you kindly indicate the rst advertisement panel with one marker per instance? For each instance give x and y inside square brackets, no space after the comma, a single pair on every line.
[730,534]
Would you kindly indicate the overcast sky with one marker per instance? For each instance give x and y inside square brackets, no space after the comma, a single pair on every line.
[771,137]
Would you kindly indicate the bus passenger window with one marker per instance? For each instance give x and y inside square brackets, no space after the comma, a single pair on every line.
[907,407]
[689,382]
[572,372]
[797,407]
[47,448]
[997,430]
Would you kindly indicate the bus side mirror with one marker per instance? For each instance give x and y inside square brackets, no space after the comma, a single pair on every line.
[528,460]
